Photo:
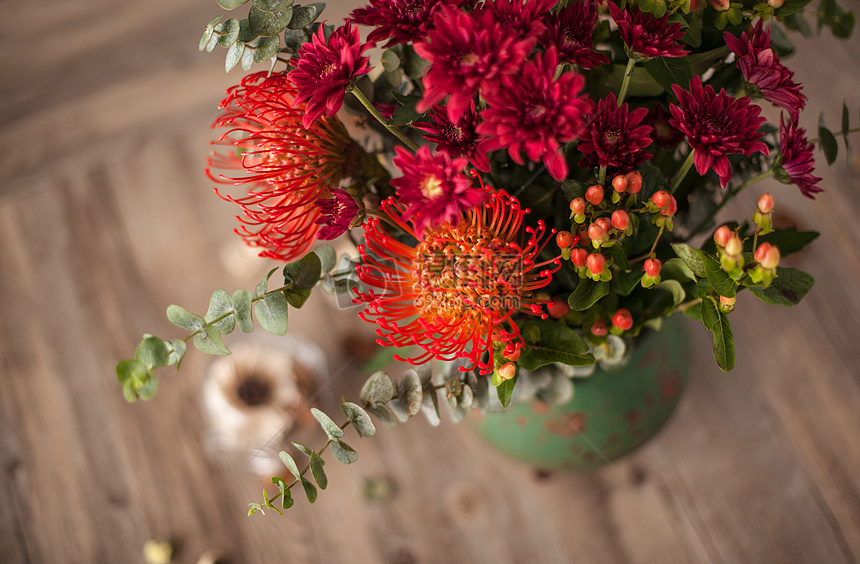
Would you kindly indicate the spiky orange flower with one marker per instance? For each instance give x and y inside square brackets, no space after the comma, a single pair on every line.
[457,291]
[285,166]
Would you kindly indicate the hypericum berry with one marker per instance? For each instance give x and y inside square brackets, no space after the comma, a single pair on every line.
[652,267]
[775,4]
[671,207]
[734,247]
[634,182]
[577,206]
[512,355]
[594,194]
[507,371]
[564,239]
[620,219]
[596,232]
[604,223]
[767,256]
[599,328]
[578,257]
[720,5]
[765,203]
[722,235]
[728,302]
[622,319]
[557,307]
[582,233]
[660,198]
[595,263]
[619,183]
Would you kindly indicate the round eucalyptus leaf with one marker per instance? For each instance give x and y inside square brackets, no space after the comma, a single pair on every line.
[267,48]
[229,33]
[272,5]
[269,23]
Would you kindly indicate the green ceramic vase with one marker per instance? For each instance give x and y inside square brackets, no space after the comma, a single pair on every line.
[612,412]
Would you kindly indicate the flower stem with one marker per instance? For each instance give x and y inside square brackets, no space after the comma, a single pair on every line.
[685,168]
[601,175]
[625,83]
[375,113]
[729,195]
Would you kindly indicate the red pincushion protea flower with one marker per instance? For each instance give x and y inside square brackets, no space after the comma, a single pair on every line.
[534,113]
[797,160]
[399,21]
[646,35]
[456,291]
[336,214]
[524,16]
[716,125]
[457,138]
[760,67]
[433,188]
[615,138]
[285,166]
[326,69]
[570,31]
[466,52]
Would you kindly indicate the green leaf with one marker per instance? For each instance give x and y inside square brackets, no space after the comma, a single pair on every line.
[383,413]
[177,352]
[557,343]
[359,419]
[267,48]
[586,294]
[317,471]
[265,24]
[693,37]
[694,311]
[221,304]
[390,60]
[208,340]
[131,370]
[181,317]
[234,55]
[263,286]
[790,7]
[670,70]
[294,38]
[271,312]
[229,33]
[412,392]
[843,25]
[330,427]
[297,298]
[290,464]
[789,240]
[624,282]
[719,278]
[505,390]
[231,4]
[247,57]
[286,496]
[241,303]
[674,288]
[692,258]
[209,33]
[717,323]
[377,389]
[327,256]
[303,16]
[797,22]
[787,289]
[303,448]
[304,273]
[310,490]
[676,269]
[827,141]
[846,126]
[272,5]
[153,352]
[343,452]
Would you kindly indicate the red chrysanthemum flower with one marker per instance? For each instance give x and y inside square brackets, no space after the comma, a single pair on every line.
[466,52]
[326,69]
[797,160]
[570,31]
[760,67]
[458,139]
[615,137]
[523,16]
[285,166]
[433,188]
[716,125]
[336,214]
[662,131]
[399,21]
[458,290]
[646,35]
[535,114]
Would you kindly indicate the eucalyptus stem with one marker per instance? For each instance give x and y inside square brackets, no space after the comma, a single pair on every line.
[625,83]
[838,134]
[729,195]
[682,172]
[379,117]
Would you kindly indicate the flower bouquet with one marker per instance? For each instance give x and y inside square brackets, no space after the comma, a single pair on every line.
[529,185]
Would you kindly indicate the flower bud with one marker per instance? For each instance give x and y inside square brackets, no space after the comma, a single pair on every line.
[596,232]
[622,319]
[765,203]
[557,307]
[507,371]
[727,302]
[652,267]
[594,194]
[767,256]
[595,263]
[734,247]
[577,206]
[578,257]
[720,5]
[564,239]
[722,236]
[619,183]
[620,220]
[599,328]
[634,182]
[660,198]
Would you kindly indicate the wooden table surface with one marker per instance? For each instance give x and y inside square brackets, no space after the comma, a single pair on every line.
[106,218]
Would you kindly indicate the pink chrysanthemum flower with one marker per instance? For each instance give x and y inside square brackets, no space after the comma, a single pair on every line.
[336,214]
[716,125]
[399,21]
[285,166]
[570,31]
[433,188]
[662,131]
[760,67]
[797,160]
[467,52]
[458,139]
[646,35]
[457,291]
[326,69]
[524,16]
[535,114]
[615,137]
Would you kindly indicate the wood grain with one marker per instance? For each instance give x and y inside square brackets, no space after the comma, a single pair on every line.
[105,219]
